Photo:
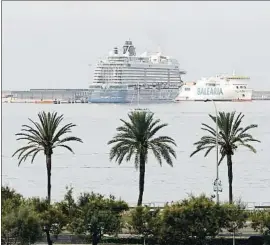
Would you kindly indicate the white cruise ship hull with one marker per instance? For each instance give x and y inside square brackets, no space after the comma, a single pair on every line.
[146,96]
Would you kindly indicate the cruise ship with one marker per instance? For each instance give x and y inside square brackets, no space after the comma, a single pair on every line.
[124,77]
[217,88]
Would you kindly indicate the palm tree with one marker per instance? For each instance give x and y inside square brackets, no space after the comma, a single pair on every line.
[136,138]
[230,137]
[44,136]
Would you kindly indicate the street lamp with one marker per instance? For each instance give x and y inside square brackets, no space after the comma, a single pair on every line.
[217,182]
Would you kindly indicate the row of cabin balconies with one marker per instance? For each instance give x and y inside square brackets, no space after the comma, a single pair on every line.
[137,71]
[137,77]
[134,81]
[136,74]
[99,69]
[140,66]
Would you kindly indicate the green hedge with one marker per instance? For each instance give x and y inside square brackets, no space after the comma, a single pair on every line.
[72,239]
[126,240]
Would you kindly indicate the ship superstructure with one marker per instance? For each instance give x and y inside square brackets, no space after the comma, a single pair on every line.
[121,75]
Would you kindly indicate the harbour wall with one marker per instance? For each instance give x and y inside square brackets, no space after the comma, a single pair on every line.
[44,95]
[260,95]
[72,95]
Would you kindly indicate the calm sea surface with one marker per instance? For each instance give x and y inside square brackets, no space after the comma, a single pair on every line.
[90,169]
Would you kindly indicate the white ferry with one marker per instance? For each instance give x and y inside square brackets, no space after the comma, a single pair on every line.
[218,88]
[122,74]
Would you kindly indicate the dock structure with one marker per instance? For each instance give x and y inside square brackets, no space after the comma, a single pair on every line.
[51,94]
[261,95]
[73,95]
[33,95]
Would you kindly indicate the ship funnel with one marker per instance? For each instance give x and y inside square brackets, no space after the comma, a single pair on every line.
[129,48]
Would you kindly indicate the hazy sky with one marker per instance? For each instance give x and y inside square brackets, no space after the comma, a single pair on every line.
[50,44]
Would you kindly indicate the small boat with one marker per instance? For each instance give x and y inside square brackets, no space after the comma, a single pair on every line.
[139,109]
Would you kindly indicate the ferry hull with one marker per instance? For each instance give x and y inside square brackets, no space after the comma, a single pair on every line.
[224,94]
[221,100]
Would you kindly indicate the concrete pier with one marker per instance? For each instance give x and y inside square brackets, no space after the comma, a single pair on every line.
[261,95]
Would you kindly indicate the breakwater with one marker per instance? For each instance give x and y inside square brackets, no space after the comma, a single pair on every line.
[261,95]
[45,96]
[57,96]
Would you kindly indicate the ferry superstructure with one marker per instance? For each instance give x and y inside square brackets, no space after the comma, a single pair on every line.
[122,75]
[217,88]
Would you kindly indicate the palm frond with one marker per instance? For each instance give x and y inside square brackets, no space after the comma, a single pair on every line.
[209,131]
[206,141]
[153,124]
[153,131]
[122,141]
[64,146]
[44,119]
[29,137]
[166,152]
[208,150]
[131,152]
[209,139]
[249,127]
[230,122]
[42,136]
[213,118]
[244,135]
[221,158]
[23,149]
[126,130]
[69,138]
[136,137]
[249,147]
[65,129]
[169,149]
[124,136]
[224,135]
[38,131]
[25,154]
[156,153]
[121,153]
[164,140]
[198,149]
[251,140]
[35,153]
[237,123]
[118,152]
[230,135]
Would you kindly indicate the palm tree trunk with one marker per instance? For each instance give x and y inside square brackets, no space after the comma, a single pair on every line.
[95,238]
[141,180]
[230,177]
[49,168]
[49,240]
